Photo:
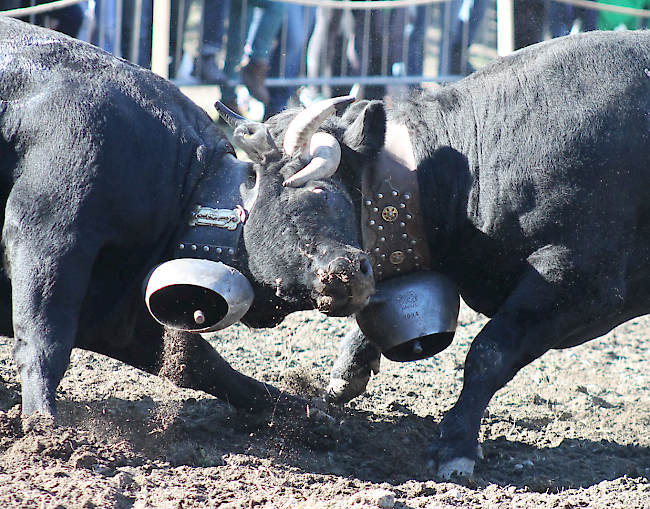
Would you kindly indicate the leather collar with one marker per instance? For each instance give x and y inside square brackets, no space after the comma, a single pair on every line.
[391,218]
[216,222]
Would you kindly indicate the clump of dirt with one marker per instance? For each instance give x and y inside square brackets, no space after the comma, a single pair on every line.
[571,430]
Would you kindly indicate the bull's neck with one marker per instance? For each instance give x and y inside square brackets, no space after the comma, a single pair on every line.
[391,217]
[440,136]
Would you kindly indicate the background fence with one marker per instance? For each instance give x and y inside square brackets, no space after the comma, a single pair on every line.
[389,43]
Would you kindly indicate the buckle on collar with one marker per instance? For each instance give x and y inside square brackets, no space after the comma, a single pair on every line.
[221,218]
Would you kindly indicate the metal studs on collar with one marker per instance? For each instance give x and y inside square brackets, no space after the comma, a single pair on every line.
[390,221]
[207,249]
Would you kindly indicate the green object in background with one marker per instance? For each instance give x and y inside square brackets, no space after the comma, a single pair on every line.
[612,20]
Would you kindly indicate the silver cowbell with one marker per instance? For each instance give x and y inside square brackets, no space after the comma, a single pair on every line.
[201,290]
[413,316]
[197,295]
[414,311]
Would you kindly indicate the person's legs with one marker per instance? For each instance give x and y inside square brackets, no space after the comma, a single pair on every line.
[462,11]
[215,12]
[237,27]
[415,64]
[300,20]
[69,19]
[264,28]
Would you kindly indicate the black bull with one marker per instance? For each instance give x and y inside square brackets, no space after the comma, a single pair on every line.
[534,179]
[100,166]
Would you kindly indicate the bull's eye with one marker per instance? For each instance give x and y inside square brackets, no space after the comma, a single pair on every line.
[320,191]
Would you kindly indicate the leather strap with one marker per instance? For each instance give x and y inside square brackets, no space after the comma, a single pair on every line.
[216,223]
[392,223]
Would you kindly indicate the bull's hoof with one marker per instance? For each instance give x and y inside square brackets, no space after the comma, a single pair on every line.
[359,359]
[460,467]
[316,412]
[448,465]
[291,406]
[341,391]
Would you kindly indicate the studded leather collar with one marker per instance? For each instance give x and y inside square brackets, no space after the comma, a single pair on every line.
[392,227]
[216,222]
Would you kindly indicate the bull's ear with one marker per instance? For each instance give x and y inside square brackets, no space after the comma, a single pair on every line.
[366,133]
[255,139]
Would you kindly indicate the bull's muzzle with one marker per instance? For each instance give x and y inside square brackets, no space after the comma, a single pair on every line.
[345,284]
[197,295]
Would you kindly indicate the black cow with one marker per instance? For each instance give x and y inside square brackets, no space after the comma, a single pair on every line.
[534,180]
[102,163]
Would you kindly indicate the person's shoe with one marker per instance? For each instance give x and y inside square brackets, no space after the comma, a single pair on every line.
[253,75]
[210,73]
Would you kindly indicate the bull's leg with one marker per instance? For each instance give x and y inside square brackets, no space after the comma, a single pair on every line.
[48,287]
[358,358]
[188,360]
[51,245]
[545,309]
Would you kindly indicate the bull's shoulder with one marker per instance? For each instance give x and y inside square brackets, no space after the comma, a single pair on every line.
[35,62]
[46,74]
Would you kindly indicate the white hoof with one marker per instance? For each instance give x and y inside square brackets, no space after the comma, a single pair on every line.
[318,415]
[461,467]
[342,391]
[336,387]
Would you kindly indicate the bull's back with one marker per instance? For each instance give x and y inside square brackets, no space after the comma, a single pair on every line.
[583,99]
[74,113]
[557,130]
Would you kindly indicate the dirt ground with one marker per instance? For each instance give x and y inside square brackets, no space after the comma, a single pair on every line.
[571,430]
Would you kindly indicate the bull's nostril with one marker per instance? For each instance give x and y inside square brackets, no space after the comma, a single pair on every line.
[365,267]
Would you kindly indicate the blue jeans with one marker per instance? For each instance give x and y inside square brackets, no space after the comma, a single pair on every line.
[255,28]
[300,22]
[461,13]
[215,13]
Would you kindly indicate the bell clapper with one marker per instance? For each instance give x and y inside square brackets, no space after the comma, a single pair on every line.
[417,347]
[199,317]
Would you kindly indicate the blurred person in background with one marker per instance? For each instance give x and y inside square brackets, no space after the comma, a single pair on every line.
[463,12]
[207,69]
[564,19]
[300,23]
[530,16]
[251,33]
[67,20]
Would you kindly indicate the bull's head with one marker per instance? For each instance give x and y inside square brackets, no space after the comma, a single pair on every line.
[302,235]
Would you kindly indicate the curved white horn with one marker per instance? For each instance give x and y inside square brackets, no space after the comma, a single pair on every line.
[306,123]
[325,153]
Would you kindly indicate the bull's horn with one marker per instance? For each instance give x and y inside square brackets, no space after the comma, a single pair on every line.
[325,153]
[230,117]
[307,122]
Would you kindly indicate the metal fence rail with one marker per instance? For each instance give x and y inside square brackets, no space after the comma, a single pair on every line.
[39,9]
[344,45]
[358,43]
